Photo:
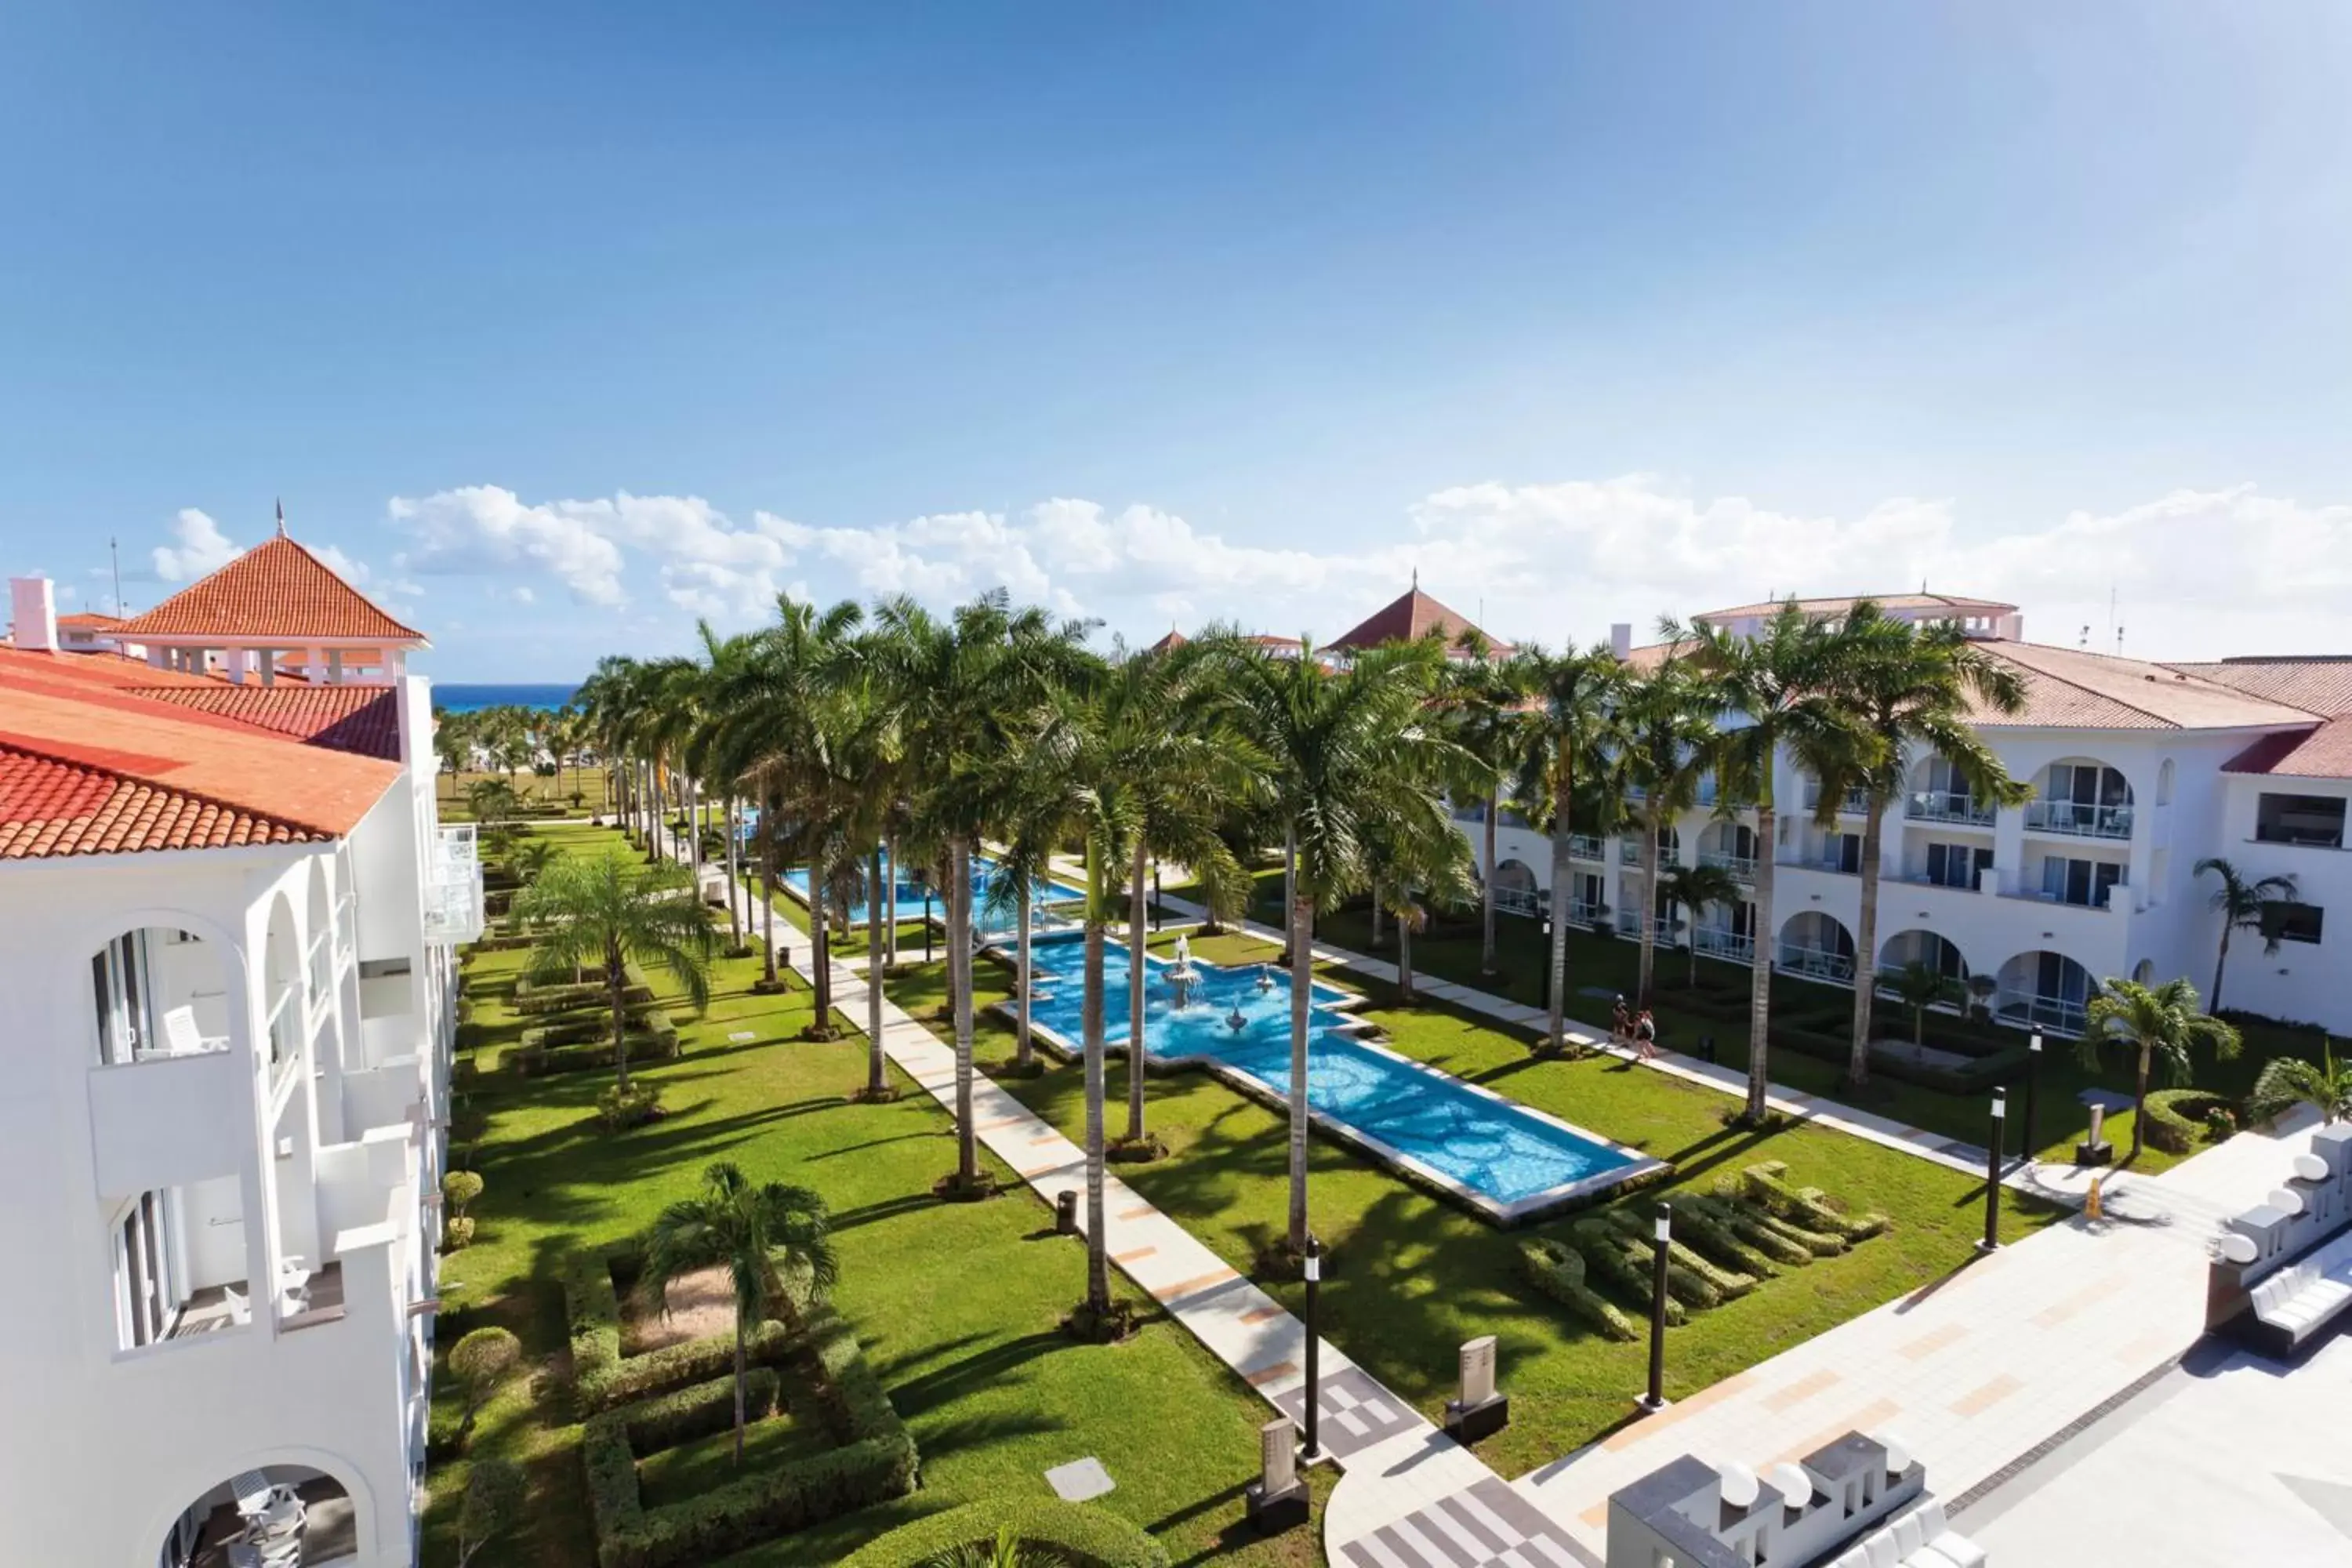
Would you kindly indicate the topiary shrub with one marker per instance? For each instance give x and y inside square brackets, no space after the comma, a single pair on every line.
[481,1362]
[1766,1184]
[1557,1269]
[1078,1533]
[1707,1232]
[1611,1261]
[2176,1116]
[459,1188]
[1751,1226]
[1727,1284]
[621,1108]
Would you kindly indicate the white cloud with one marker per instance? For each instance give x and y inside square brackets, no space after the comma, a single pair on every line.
[351,570]
[485,528]
[203,548]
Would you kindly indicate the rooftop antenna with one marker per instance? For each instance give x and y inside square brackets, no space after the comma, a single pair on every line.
[114,554]
[2119,642]
[281,517]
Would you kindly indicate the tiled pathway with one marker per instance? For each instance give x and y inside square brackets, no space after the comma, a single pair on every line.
[1363,1423]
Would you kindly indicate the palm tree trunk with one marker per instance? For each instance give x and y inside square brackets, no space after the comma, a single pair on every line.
[2213,1002]
[734,871]
[1760,967]
[1376,914]
[1562,869]
[959,978]
[1405,948]
[1137,974]
[1098,1237]
[1302,982]
[820,952]
[1486,964]
[1865,941]
[875,1082]
[1651,856]
[2140,1106]
[890,932]
[617,983]
[1023,1051]
[738,1385]
[1289,887]
[768,878]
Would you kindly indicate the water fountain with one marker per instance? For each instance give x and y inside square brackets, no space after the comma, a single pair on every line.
[1181,975]
[1264,980]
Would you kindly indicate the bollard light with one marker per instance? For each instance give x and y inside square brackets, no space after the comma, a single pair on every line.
[1314,1271]
[2027,1144]
[1655,1399]
[1992,1174]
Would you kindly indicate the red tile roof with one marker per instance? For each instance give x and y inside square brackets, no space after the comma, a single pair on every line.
[275,590]
[362,719]
[2322,685]
[49,806]
[2325,753]
[2071,689]
[1840,605]
[1174,639]
[91,620]
[1415,615]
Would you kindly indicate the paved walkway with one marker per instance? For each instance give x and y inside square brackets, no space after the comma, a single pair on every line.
[1363,1427]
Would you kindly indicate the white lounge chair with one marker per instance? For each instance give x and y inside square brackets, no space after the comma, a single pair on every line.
[1943,1547]
[240,1312]
[181,1038]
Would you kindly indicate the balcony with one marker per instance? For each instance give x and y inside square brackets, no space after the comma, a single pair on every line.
[1855,801]
[1629,853]
[1815,963]
[1518,901]
[1817,860]
[2059,1013]
[1628,925]
[1716,942]
[1587,846]
[452,889]
[1945,805]
[1742,867]
[1583,914]
[2079,819]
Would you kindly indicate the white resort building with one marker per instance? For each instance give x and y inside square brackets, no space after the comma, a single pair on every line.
[226,918]
[2138,771]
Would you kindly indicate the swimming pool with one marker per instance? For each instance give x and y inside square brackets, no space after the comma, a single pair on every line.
[906,901]
[1504,1160]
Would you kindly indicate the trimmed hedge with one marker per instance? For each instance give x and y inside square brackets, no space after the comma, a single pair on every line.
[602,1378]
[1727,1284]
[1750,1226]
[2176,1117]
[1607,1255]
[1557,1269]
[1083,1536]
[534,1057]
[589,1023]
[2004,1065]
[561,995]
[1806,1206]
[877,1459]
[1711,1237]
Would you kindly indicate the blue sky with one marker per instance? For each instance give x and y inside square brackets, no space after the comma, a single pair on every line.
[564,325]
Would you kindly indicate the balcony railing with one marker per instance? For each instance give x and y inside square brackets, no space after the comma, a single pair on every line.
[1629,924]
[1580,913]
[1946,805]
[2014,1005]
[1817,962]
[2079,818]
[1518,901]
[1720,943]
[453,894]
[1628,852]
[1855,803]
[1586,847]
[1816,860]
[284,1031]
[1740,865]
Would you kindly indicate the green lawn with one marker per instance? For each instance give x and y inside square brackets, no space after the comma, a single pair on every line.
[1411,1276]
[957,1304]
[673,1474]
[531,788]
[1450,950]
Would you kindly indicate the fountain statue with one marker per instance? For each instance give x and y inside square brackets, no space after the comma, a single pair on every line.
[1235,1021]
[1181,975]
[1264,980]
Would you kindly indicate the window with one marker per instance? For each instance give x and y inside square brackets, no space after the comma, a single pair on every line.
[2084,882]
[2293,923]
[146,1294]
[2313,819]
[1956,865]
[123,993]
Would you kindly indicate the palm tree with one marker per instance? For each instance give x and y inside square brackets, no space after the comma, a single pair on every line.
[957,689]
[1774,690]
[2288,1081]
[757,1234]
[2154,1023]
[1698,888]
[1565,733]
[1908,686]
[1413,872]
[600,911]
[1668,748]
[2245,905]
[1352,758]
[1920,986]
[1484,702]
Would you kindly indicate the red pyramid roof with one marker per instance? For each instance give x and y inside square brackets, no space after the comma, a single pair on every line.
[277,589]
[1414,615]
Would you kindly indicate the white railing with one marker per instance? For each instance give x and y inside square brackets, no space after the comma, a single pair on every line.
[2078,818]
[1628,852]
[1740,865]
[283,1031]
[452,892]
[1855,803]
[1518,901]
[1721,943]
[1580,913]
[1816,860]
[2017,1005]
[323,979]
[1629,924]
[1818,962]
[1948,806]
[1586,847]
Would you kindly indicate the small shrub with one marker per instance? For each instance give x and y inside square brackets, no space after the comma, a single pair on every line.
[481,1362]
[2177,1117]
[1806,1206]
[1557,1269]
[459,1188]
[1608,1258]
[1721,1284]
[494,1494]
[621,1108]
[457,1233]
[1707,1232]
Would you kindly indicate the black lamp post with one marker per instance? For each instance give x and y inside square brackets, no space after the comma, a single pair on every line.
[2032,1096]
[925,882]
[1155,898]
[1547,963]
[1655,1399]
[1314,1266]
[1992,1174]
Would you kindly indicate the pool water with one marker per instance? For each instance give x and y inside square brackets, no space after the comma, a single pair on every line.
[907,900]
[1498,1150]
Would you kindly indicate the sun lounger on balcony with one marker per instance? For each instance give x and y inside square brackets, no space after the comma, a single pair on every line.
[240,1312]
[181,1038]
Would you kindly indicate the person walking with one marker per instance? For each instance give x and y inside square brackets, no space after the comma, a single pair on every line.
[1620,1024]
[1645,1037]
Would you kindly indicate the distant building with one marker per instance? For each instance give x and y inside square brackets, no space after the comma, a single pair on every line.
[1414,615]
[227,911]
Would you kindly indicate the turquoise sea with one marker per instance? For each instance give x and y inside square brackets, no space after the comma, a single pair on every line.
[474,699]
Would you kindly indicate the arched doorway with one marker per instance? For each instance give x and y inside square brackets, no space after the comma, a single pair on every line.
[1816,945]
[1515,888]
[293,1516]
[1906,948]
[2044,990]
[2083,796]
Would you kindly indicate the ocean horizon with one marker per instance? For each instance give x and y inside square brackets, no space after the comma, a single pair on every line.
[474,699]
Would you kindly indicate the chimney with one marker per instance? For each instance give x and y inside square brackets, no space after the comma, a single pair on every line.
[34,603]
[1621,640]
